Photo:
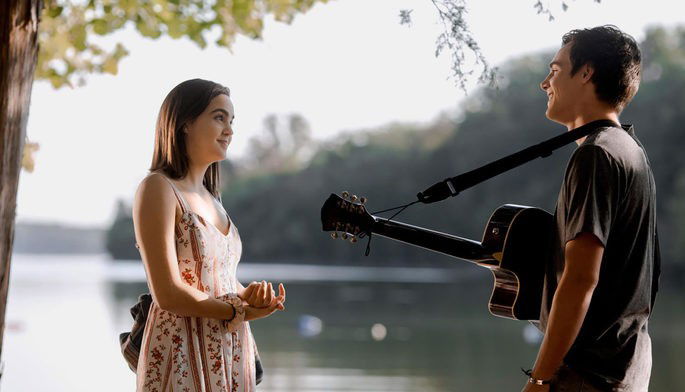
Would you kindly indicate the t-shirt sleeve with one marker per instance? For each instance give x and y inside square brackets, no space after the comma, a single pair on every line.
[592,187]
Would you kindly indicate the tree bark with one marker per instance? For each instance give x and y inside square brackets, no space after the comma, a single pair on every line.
[18,55]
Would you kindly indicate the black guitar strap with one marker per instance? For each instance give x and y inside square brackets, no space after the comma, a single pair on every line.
[454,185]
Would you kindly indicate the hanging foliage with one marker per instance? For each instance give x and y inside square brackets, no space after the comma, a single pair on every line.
[68,53]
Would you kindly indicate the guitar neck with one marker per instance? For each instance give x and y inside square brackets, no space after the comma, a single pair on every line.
[436,241]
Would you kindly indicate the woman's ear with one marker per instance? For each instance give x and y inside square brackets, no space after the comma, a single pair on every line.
[187,125]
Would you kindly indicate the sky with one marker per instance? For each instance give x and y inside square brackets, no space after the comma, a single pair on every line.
[345,65]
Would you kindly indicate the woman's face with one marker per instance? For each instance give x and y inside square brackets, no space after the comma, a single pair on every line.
[209,135]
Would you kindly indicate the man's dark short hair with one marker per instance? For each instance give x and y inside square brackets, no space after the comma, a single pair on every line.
[615,57]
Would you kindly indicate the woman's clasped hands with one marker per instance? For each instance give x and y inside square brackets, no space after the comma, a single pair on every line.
[260,299]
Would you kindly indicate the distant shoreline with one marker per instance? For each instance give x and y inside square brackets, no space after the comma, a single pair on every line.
[55,238]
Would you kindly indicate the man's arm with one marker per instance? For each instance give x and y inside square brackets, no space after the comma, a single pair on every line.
[583,258]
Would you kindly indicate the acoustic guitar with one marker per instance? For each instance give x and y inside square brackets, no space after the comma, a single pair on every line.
[515,247]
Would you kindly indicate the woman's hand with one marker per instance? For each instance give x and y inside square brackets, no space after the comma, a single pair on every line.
[247,292]
[274,304]
[258,294]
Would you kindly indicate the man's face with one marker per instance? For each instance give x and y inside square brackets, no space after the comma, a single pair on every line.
[563,91]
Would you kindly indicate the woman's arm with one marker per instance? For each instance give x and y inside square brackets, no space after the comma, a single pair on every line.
[154,219]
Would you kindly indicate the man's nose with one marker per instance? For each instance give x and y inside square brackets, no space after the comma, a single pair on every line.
[544,84]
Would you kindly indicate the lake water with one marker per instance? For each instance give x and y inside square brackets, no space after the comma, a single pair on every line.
[344,329]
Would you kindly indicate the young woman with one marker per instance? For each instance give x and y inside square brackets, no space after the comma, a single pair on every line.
[197,337]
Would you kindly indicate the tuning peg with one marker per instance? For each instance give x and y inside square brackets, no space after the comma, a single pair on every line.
[362,200]
[353,240]
[345,236]
[345,194]
[334,235]
[353,198]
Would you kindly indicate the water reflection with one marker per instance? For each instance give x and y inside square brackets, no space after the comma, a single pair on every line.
[383,336]
[377,334]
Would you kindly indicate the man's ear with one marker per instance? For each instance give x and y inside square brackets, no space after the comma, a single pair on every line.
[586,72]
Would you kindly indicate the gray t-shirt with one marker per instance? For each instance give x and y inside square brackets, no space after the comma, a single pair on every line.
[609,191]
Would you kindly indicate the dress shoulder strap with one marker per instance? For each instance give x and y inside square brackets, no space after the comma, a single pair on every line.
[177,193]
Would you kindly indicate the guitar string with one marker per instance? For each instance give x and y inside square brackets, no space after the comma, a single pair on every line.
[393,208]
[400,208]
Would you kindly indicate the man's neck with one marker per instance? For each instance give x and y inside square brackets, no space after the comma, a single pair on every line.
[590,117]
[581,120]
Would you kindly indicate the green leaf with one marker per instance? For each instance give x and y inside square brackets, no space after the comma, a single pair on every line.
[111,66]
[78,36]
[175,28]
[147,28]
[119,51]
[100,26]
[55,11]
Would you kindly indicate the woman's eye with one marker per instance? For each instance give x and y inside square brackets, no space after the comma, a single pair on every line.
[220,117]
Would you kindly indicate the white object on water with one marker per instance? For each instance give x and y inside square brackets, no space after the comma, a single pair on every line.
[531,335]
[378,332]
[310,326]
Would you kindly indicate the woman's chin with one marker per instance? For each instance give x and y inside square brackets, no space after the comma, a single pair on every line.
[220,157]
[223,153]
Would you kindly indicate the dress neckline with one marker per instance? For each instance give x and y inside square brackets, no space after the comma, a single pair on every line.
[185,209]
[208,223]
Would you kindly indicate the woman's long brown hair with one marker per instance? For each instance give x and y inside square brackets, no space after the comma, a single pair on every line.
[183,104]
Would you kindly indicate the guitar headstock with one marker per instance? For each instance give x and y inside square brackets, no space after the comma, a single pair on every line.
[346,217]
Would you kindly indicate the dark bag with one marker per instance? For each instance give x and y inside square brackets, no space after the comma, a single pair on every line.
[132,341]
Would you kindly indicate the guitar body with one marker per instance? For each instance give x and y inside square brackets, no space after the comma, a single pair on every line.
[519,238]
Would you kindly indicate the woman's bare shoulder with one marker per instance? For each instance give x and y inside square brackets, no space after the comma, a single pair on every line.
[155,192]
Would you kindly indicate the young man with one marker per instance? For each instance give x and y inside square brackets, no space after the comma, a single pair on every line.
[601,284]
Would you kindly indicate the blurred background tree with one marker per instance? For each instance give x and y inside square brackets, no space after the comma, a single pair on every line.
[284,144]
[277,210]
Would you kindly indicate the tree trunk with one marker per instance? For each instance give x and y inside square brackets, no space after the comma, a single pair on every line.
[18,56]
